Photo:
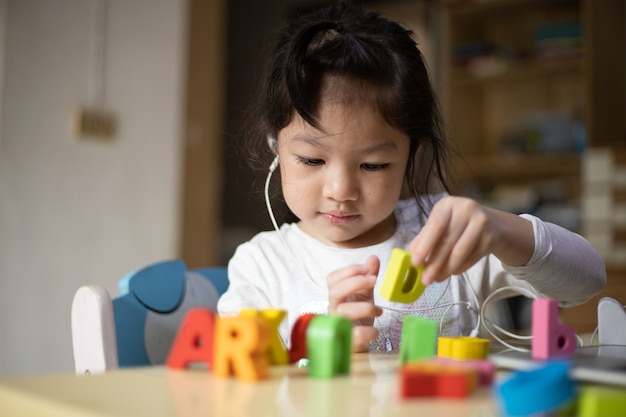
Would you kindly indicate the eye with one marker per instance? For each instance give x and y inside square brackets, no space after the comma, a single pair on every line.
[310,161]
[374,167]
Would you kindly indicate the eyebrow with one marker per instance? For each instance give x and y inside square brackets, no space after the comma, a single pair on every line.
[383,145]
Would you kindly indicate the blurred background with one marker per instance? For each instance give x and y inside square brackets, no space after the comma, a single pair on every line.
[119,123]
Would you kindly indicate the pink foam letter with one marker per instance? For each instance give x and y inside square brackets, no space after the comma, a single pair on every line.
[551,340]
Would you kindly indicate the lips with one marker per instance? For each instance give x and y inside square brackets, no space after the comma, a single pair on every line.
[339,217]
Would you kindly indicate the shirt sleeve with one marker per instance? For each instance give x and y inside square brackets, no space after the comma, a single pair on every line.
[564,265]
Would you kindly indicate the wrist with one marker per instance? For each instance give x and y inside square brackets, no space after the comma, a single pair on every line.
[516,239]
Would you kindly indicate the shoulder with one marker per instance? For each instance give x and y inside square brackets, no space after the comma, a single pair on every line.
[268,242]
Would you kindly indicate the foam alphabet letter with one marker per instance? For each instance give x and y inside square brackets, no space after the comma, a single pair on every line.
[551,340]
[402,281]
[241,344]
[463,348]
[536,391]
[329,345]
[298,338]
[276,353]
[433,379]
[419,338]
[194,340]
[601,401]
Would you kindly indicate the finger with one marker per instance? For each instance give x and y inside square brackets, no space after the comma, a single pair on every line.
[439,258]
[345,288]
[349,287]
[343,273]
[464,252]
[471,259]
[428,239]
[470,247]
[358,310]
[425,242]
[362,336]
[373,265]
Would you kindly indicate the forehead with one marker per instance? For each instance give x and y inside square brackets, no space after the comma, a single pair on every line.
[349,92]
[346,104]
[351,126]
[348,99]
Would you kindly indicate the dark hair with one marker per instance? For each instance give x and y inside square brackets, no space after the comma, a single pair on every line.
[362,49]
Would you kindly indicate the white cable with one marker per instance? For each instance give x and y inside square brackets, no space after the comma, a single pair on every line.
[484,322]
[414,310]
[593,335]
[580,340]
[268,204]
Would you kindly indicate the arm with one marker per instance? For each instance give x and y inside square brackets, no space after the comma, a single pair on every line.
[564,265]
[555,261]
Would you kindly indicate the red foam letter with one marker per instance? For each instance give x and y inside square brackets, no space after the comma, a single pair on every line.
[298,338]
[194,340]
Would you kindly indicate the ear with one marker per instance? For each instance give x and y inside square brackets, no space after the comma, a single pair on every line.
[273,144]
[159,287]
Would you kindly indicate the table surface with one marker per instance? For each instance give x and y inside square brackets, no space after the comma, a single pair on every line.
[370,389]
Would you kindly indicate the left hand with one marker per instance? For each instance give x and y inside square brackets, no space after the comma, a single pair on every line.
[459,232]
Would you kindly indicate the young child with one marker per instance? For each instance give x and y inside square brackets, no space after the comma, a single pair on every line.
[353,126]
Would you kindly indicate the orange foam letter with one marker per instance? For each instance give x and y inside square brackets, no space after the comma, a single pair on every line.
[241,344]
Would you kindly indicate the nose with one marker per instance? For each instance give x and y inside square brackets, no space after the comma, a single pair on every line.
[341,185]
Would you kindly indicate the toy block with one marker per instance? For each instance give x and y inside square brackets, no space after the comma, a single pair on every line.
[462,348]
[485,369]
[240,349]
[433,379]
[597,401]
[542,390]
[419,338]
[402,281]
[194,340]
[298,338]
[276,353]
[551,340]
[329,345]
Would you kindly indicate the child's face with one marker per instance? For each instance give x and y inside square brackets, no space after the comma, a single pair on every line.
[344,182]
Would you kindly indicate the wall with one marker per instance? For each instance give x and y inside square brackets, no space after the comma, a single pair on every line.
[74,212]
[3,6]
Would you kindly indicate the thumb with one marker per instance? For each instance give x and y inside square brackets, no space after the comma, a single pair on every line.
[373,265]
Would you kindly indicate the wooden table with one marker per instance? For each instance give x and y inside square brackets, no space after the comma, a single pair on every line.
[371,389]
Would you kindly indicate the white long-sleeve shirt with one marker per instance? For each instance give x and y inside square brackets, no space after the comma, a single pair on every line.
[290,274]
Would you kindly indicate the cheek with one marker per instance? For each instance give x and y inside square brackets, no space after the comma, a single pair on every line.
[386,192]
[296,188]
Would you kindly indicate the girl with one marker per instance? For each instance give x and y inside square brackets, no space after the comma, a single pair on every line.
[353,127]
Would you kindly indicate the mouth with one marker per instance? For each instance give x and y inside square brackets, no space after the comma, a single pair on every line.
[339,218]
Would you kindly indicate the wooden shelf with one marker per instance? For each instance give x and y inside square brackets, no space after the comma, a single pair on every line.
[517,71]
[513,167]
[519,86]
[482,9]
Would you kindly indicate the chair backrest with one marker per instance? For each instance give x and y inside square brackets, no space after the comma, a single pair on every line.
[138,326]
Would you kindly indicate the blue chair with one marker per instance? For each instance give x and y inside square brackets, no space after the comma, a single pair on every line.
[137,327]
